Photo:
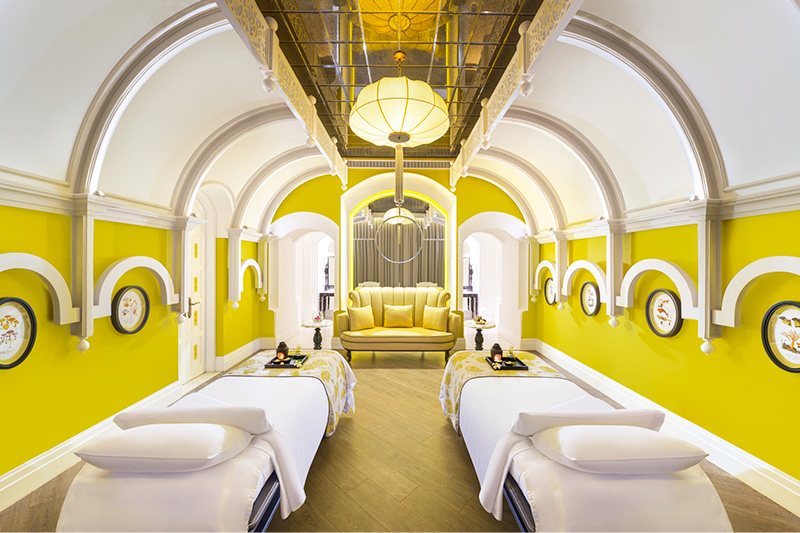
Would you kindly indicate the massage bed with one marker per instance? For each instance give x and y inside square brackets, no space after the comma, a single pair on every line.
[239,493]
[513,456]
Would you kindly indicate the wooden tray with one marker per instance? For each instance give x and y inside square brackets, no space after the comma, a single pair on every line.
[293,361]
[508,364]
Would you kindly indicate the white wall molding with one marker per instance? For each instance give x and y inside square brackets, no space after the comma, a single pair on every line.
[229,360]
[63,311]
[34,473]
[543,265]
[763,477]
[112,274]
[505,185]
[285,190]
[683,282]
[594,269]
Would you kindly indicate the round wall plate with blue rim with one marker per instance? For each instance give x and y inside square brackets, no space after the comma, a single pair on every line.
[549,291]
[590,298]
[663,312]
[17,331]
[780,335]
[130,309]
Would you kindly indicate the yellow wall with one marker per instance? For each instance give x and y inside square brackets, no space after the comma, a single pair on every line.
[58,392]
[252,319]
[736,393]
[475,195]
[319,195]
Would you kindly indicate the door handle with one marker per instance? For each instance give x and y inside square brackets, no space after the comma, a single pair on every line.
[191,304]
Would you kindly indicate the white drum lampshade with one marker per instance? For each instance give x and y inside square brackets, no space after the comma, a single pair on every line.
[399,112]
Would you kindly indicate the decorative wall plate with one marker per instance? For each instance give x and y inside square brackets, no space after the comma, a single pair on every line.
[549,291]
[780,334]
[17,331]
[590,298]
[130,309]
[663,311]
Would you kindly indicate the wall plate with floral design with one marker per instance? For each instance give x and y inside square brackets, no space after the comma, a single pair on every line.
[663,311]
[130,309]
[590,298]
[549,291]
[780,334]
[17,331]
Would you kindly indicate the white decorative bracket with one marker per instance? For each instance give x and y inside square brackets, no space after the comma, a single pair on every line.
[686,289]
[63,311]
[593,269]
[543,265]
[108,280]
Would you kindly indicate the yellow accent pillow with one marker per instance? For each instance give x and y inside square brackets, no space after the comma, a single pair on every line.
[361,318]
[398,316]
[435,318]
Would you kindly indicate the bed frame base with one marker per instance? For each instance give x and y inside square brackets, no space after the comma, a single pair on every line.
[348,356]
[519,505]
[265,505]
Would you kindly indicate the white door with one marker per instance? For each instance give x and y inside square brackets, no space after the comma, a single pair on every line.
[197,293]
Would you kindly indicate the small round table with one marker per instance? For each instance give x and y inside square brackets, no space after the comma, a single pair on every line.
[478,327]
[317,334]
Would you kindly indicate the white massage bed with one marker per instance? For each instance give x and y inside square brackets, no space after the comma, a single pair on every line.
[547,496]
[238,494]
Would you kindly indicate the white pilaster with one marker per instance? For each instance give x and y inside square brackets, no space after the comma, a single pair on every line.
[234,264]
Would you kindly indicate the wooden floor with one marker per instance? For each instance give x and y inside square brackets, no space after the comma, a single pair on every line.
[397,465]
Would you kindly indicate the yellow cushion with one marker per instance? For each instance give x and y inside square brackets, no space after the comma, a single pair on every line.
[361,317]
[398,316]
[435,318]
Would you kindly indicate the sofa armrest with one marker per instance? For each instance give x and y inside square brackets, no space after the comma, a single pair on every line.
[454,324]
[343,322]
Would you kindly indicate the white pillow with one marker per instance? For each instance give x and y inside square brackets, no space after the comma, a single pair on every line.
[533,422]
[251,419]
[166,448]
[616,449]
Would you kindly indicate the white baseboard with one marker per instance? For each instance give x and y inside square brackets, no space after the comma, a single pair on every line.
[31,475]
[228,361]
[763,477]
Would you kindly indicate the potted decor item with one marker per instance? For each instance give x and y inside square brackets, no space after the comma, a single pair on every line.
[282,351]
[496,352]
[317,318]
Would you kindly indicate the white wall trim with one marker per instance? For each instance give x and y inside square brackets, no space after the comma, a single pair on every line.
[32,474]
[684,284]
[109,278]
[763,477]
[594,269]
[228,361]
[539,268]
[63,311]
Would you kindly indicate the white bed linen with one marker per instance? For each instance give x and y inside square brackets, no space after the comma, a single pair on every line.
[563,499]
[219,498]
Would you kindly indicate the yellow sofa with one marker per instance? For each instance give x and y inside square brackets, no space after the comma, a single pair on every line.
[405,339]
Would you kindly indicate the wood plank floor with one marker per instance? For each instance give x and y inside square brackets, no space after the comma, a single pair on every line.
[397,465]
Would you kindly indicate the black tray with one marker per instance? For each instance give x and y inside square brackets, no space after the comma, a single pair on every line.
[293,361]
[508,364]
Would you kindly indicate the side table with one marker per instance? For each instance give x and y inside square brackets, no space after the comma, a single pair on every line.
[478,327]
[317,334]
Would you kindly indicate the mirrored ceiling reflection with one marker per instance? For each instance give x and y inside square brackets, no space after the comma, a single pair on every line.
[398,247]
[459,47]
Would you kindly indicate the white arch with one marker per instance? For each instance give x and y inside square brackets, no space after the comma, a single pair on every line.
[541,267]
[592,160]
[110,277]
[412,182]
[668,89]
[686,288]
[593,268]
[286,189]
[215,145]
[248,263]
[175,34]
[507,187]
[731,312]
[63,312]
[539,180]
[488,221]
[263,174]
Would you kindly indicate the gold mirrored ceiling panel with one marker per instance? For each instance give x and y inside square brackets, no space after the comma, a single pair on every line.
[459,47]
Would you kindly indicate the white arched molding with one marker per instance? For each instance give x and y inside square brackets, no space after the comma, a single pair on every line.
[686,288]
[544,186]
[594,270]
[595,164]
[280,195]
[505,185]
[108,280]
[665,84]
[263,174]
[215,145]
[295,225]
[730,314]
[63,312]
[175,34]
[412,182]
[541,267]
[249,263]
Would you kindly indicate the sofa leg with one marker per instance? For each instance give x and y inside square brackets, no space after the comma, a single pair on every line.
[446,355]
[348,356]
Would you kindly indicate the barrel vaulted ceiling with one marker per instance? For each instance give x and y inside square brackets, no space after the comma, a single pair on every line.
[639,107]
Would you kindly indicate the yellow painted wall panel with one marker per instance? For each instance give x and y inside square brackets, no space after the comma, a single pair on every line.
[319,195]
[475,196]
